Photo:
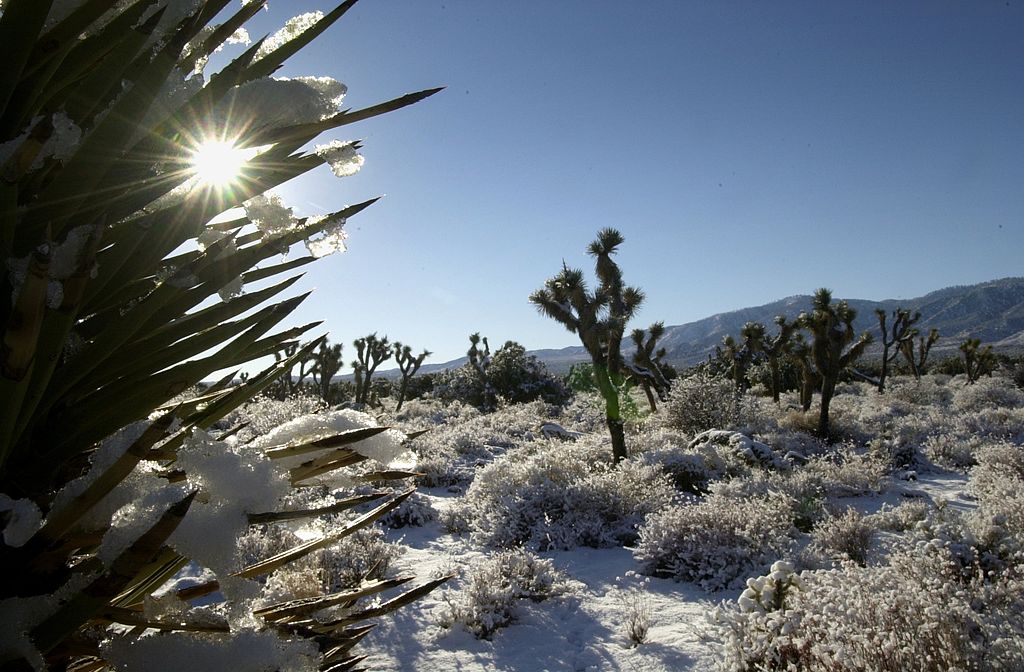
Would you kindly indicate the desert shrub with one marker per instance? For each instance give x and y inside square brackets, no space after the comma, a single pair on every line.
[845,536]
[900,518]
[689,470]
[849,472]
[263,413]
[450,454]
[715,541]
[550,495]
[416,511]
[805,489]
[916,612]
[700,402]
[951,451]
[635,611]
[511,375]
[995,392]
[428,413]
[931,390]
[998,481]
[487,599]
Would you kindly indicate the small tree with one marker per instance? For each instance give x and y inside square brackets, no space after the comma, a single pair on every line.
[894,337]
[599,318]
[831,326]
[327,362]
[480,361]
[647,368]
[295,377]
[810,381]
[774,347]
[370,353]
[408,365]
[917,364]
[978,361]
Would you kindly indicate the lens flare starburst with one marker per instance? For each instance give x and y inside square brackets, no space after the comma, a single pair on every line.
[218,163]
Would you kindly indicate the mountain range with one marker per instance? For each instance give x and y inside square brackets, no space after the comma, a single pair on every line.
[992,311]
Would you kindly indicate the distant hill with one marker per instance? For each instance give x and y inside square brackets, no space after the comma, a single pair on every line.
[992,311]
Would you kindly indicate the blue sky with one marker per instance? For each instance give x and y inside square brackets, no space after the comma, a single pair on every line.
[748,151]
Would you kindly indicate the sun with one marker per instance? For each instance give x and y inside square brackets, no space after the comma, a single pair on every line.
[218,163]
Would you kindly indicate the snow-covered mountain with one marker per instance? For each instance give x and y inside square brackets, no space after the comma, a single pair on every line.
[992,311]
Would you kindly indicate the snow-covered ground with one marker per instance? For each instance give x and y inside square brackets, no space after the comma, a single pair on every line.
[584,629]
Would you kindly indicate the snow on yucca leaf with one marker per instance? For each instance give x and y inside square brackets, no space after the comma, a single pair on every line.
[104,320]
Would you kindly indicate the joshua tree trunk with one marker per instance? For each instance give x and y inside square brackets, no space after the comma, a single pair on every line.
[773,365]
[828,389]
[612,412]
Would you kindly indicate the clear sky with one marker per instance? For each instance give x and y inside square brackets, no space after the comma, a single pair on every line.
[747,151]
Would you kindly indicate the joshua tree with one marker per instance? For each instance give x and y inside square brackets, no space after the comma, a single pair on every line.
[894,337]
[831,326]
[370,353]
[480,360]
[977,362]
[599,318]
[290,383]
[408,365]
[738,359]
[774,347]
[810,381]
[646,368]
[924,346]
[327,362]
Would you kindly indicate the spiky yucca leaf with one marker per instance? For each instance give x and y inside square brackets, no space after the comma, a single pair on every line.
[105,317]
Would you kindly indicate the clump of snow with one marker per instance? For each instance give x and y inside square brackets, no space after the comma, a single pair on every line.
[294,27]
[232,482]
[331,239]
[342,156]
[281,102]
[385,447]
[270,215]
[251,651]
[21,519]
[110,449]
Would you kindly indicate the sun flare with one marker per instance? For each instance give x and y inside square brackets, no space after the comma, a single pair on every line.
[218,163]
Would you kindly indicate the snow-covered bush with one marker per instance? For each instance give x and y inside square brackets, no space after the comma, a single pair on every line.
[487,599]
[416,511]
[554,495]
[845,536]
[716,541]
[262,414]
[995,392]
[701,402]
[917,612]
[451,453]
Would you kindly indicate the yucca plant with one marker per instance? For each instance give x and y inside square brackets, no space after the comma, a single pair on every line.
[105,320]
